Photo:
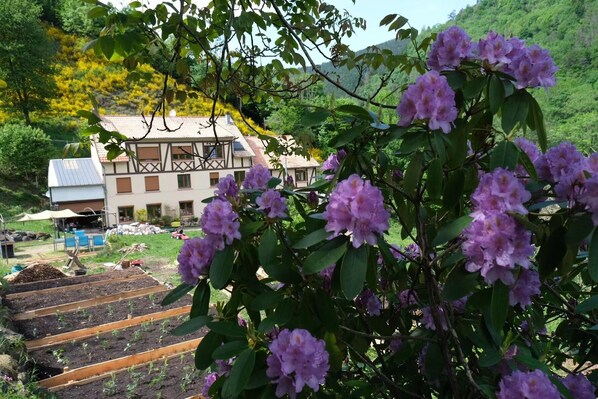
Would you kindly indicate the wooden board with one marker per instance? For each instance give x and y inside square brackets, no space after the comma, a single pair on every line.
[75,286]
[72,376]
[87,303]
[91,331]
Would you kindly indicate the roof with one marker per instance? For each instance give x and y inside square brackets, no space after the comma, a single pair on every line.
[182,127]
[103,154]
[289,161]
[73,172]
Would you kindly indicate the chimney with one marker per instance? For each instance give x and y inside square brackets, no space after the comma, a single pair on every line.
[229,119]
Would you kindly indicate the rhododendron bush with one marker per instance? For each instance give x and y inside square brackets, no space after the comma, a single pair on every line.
[492,292]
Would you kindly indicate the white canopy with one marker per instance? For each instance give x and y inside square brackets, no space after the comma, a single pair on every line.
[65,213]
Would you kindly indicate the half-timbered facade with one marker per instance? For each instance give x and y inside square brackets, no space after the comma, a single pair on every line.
[303,171]
[176,165]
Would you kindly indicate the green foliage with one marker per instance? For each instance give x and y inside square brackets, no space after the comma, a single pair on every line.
[73,15]
[25,57]
[24,151]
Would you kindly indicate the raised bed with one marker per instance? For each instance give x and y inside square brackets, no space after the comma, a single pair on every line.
[61,322]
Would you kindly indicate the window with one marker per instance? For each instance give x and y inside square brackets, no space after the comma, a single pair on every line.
[238,146]
[212,151]
[182,152]
[214,177]
[184,181]
[125,213]
[152,183]
[154,211]
[148,154]
[186,208]
[300,175]
[123,185]
[239,176]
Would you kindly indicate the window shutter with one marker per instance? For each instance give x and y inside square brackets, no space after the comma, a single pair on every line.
[148,153]
[123,185]
[152,183]
[181,149]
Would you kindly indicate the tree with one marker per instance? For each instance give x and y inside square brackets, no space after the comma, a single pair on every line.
[24,151]
[487,289]
[25,58]
[74,19]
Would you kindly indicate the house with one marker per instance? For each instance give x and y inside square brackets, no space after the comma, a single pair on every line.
[302,170]
[172,171]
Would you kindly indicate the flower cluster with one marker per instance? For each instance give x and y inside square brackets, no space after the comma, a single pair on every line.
[527,385]
[579,386]
[257,178]
[219,221]
[208,381]
[526,286]
[356,207]
[227,188]
[427,319]
[368,301]
[429,98]
[272,204]
[195,258]
[332,163]
[297,359]
[450,48]
[590,197]
[495,242]
[407,298]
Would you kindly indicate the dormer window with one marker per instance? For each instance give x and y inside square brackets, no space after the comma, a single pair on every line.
[182,152]
[148,154]
[212,151]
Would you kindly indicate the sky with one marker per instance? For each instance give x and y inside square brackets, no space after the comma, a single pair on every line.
[422,13]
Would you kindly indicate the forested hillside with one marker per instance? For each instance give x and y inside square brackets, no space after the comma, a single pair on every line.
[568,28]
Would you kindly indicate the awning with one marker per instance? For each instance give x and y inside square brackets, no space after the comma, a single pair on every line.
[44,215]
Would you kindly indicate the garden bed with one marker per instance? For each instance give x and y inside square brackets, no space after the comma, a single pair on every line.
[59,322]
[109,345]
[172,378]
[75,293]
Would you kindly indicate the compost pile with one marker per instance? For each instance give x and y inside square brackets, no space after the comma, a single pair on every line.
[37,272]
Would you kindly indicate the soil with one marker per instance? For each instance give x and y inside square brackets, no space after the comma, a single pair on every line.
[31,302]
[93,316]
[175,378]
[37,272]
[40,285]
[110,345]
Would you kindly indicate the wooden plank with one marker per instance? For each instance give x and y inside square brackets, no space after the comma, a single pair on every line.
[87,303]
[75,286]
[81,373]
[91,331]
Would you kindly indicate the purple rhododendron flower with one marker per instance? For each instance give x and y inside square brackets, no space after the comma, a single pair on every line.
[257,178]
[427,319]
[195,258]
[526,286]
[429,98]
[370,302]
[227,188]
[579,386]
[498,192]
[327,275]
[272,204]
[297,359]
[527,385]
[221,222]
[590,197]
[356,207]
[332,163]
[450,48]
[532,67]
[208,381]
[494,50]
[566,165]
[395,344]
[407,298]
[535,155]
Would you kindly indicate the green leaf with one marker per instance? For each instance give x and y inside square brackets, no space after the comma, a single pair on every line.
[227,329]
[312,238]
[435,179]
[459,283]
[579,228]
[451,230]
[499,305]
[314,118]
[273,182]
[453,189]
[97,12]
[203,353]
[239,375]
[222,267]
[355,110]
[92,118]
[400,22]
[3,84]
[588,305]
[107,46]
[267,250]
[527,164]
[353,271]
[514,111]
[412,173]
[267,300]
[201,299]
[535,120]
[229,350]
[551,252]
[593,256]
[387,19]
[176,294]
[489,357]
[191,325]
[496,93]
[504,155]
[325,256]
[473,87]
[347,136]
